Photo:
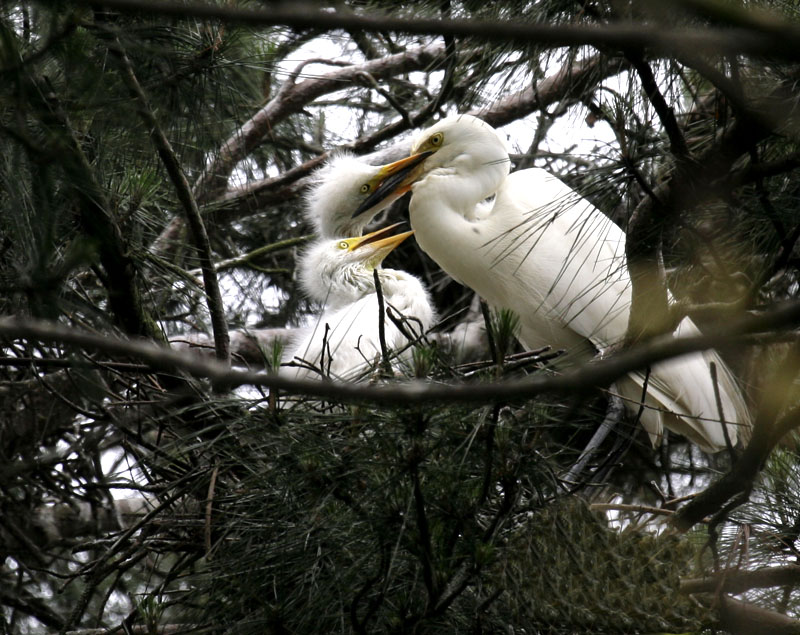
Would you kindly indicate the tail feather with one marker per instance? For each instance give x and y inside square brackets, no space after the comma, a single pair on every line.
[681,398]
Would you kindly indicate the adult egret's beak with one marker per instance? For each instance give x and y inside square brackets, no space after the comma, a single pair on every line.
[377,245]
[394,178]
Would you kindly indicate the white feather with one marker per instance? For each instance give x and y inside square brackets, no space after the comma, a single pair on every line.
[559,264]
[350,345]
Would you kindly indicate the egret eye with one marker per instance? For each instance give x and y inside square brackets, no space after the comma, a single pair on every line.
[343,245]
[365,188]
[436,140]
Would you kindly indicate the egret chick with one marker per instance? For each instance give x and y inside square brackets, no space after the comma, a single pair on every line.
[556,261]
[342,185]
[345,340]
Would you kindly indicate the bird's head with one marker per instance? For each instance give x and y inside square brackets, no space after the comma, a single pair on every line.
[460,144]
[342,268]
[342,185]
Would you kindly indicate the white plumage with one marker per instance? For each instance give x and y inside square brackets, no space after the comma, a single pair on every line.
[337,271]
[345,341]
[558,263]
[342,185]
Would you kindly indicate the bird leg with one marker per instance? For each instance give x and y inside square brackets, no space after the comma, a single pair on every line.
[614,413]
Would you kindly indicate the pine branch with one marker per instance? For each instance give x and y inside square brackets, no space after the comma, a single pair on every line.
[124,295]
[773,37]
[198,229]
[602,373]
[291,99]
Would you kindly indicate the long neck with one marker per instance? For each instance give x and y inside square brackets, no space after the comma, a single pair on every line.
[445,232]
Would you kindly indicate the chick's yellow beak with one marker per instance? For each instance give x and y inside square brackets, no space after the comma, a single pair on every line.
[378,244]
[394,178]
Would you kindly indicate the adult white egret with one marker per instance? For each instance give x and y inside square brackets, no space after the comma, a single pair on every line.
[556,261]
[342,185]
[346,337]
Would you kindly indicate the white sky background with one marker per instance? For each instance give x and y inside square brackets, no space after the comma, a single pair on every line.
[569,131]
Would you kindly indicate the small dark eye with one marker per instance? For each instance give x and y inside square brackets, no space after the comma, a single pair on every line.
[365,188]
[436,140]
[343,245]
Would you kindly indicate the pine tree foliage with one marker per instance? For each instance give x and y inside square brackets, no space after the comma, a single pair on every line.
[139,494]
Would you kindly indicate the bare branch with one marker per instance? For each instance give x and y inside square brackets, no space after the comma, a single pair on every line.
[739,581]
[290,99]
[601,373]
[249,346]
[570,82]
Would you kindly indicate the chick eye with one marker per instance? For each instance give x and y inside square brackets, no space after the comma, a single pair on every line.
[365,188]
[436,140]
[343,245]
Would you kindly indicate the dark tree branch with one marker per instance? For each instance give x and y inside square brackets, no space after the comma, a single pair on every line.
[739,581]
[664,111]
[33,607]
[759,37]
[198,229]
[600,373]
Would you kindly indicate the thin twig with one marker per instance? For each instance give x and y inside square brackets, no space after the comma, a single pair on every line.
[209,508]
[639,509]
[387,366]
[720,412]
[247,259]
[369,79]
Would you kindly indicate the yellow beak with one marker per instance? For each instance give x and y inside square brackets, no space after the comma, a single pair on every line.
[377,245]
[394,178]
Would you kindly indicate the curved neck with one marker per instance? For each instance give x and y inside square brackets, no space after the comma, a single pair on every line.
[440,226]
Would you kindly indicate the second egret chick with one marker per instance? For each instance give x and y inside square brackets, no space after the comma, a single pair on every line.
[345,340]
